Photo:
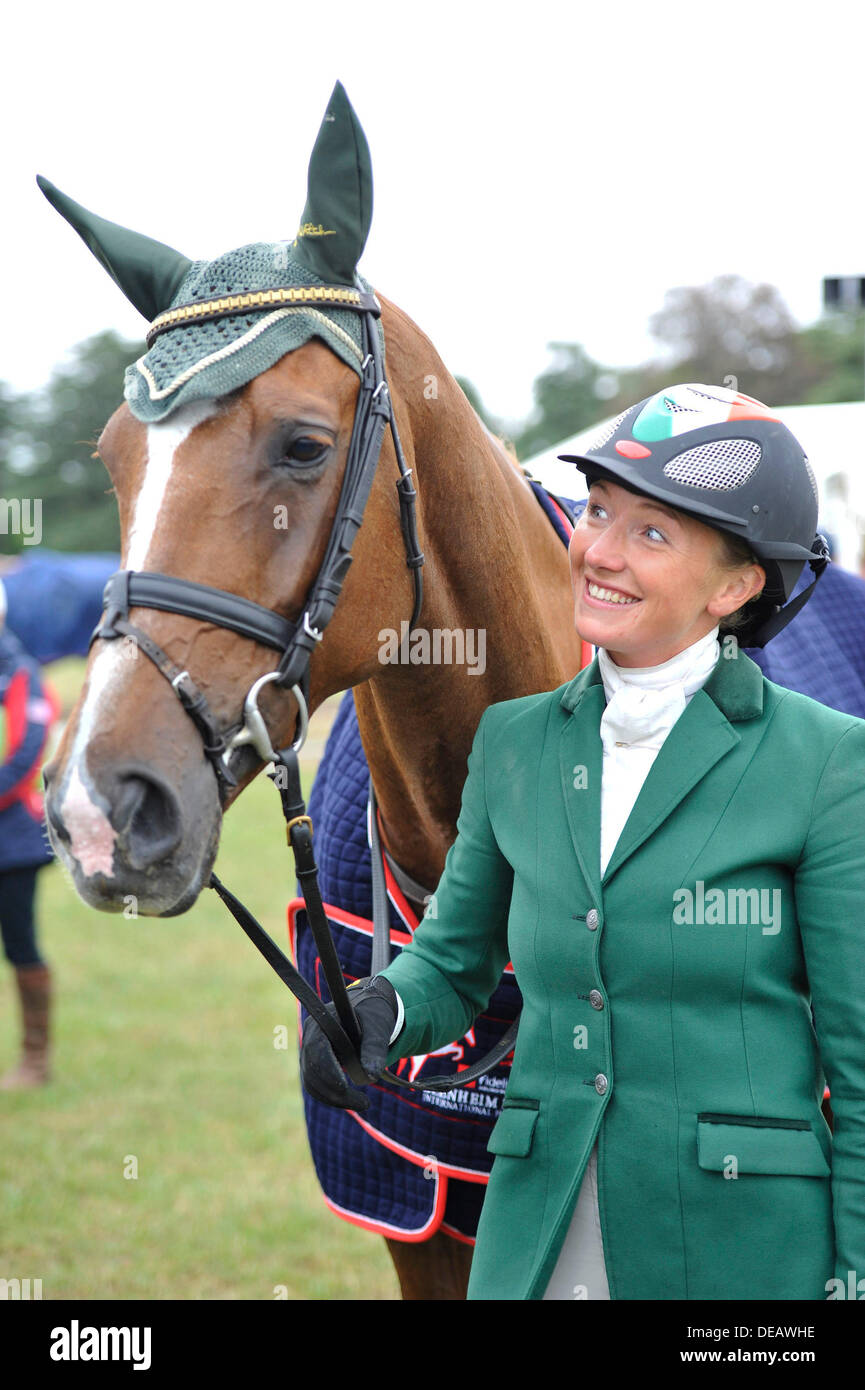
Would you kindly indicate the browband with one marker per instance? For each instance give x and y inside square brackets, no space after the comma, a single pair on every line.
[318,296]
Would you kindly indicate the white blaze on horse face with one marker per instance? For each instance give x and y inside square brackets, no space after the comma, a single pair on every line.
[163,441]
[91,834]
[112,674]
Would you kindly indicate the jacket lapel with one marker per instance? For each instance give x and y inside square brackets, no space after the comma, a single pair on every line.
[581,766]
[703,734]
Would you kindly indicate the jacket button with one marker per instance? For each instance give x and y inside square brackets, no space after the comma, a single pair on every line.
[596,999]
[601,1083]
[592,919]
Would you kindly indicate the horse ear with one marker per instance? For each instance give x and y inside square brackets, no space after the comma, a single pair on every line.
[148,272]
[335,222]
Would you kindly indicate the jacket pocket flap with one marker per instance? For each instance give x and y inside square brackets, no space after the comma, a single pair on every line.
[514,1129]
[759,1146]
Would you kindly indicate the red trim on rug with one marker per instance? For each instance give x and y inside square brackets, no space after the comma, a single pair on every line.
[447,1170]
[561,513]
[346,919]
[383,1228]
[455,1234]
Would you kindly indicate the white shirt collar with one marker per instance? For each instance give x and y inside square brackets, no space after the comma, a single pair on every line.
[644,702]
[689,669]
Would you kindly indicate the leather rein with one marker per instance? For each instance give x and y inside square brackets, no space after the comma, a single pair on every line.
[295,641]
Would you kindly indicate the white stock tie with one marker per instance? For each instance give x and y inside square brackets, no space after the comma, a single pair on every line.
[644,704]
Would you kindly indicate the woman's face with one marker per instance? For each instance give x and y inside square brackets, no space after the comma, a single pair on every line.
[647,579]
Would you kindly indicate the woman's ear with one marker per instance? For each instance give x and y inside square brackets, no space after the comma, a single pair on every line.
[736,588]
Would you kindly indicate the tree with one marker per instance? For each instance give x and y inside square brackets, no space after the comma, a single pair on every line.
[836,347]
[734,333]
[568,396]
[51,453]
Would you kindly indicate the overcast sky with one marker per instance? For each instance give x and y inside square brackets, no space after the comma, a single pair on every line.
[542,170]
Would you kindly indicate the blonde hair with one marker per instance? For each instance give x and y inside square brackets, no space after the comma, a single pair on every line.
[734,554]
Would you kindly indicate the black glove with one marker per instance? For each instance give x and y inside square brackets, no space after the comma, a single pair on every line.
[375,1004]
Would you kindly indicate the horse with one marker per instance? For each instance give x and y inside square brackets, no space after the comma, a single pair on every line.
[227,461]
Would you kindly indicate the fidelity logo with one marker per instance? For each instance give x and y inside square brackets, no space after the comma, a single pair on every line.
[76,1343]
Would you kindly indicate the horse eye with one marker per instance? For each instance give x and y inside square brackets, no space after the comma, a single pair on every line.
[306,451]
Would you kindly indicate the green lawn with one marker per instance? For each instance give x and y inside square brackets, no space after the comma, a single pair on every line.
[165,1060]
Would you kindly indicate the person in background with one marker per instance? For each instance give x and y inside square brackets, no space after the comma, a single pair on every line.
[27,712]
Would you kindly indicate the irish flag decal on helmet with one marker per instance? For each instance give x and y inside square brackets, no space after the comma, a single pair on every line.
[682,408]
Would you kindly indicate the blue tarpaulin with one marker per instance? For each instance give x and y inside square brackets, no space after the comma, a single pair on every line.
[54,601]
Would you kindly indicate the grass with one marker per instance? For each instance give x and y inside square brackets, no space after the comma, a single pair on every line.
[165,1064]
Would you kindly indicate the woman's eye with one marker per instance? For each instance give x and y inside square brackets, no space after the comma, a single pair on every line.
[594,508]
[660,535]
[306,451]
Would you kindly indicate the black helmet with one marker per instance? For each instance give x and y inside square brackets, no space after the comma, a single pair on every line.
[728,461]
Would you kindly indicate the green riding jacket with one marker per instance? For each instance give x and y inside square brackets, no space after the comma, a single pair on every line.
[667,1004]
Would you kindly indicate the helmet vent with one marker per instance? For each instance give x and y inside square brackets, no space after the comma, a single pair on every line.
[606,433]
[813,481]
[721,466]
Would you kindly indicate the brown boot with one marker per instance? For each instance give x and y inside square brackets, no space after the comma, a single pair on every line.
[34,992]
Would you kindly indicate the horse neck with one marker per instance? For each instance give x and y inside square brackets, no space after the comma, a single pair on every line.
[493,566]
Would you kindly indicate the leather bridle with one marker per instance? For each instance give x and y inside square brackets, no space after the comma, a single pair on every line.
[295,641]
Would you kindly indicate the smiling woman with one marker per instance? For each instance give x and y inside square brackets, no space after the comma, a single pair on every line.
[654,1061]
[649,582]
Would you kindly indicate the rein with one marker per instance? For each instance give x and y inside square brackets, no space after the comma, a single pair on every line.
[295,641]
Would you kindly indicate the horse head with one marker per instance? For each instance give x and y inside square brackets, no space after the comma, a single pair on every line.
[228,460]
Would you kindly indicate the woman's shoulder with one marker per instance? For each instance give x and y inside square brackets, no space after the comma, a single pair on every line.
[791,706]
[535,711]
[802,733]
[526,710]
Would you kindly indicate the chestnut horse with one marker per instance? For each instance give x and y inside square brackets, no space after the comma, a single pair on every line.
[242,414]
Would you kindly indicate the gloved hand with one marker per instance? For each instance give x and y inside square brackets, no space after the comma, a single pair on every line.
[375,1004]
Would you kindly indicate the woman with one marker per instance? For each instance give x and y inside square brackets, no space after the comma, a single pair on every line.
[670,850]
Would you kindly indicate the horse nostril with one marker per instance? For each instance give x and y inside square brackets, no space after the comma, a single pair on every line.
[55,822]
[146,814]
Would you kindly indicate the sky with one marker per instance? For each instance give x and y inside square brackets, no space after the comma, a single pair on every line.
[543,171]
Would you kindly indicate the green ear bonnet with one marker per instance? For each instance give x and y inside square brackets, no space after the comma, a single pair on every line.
[195,354]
